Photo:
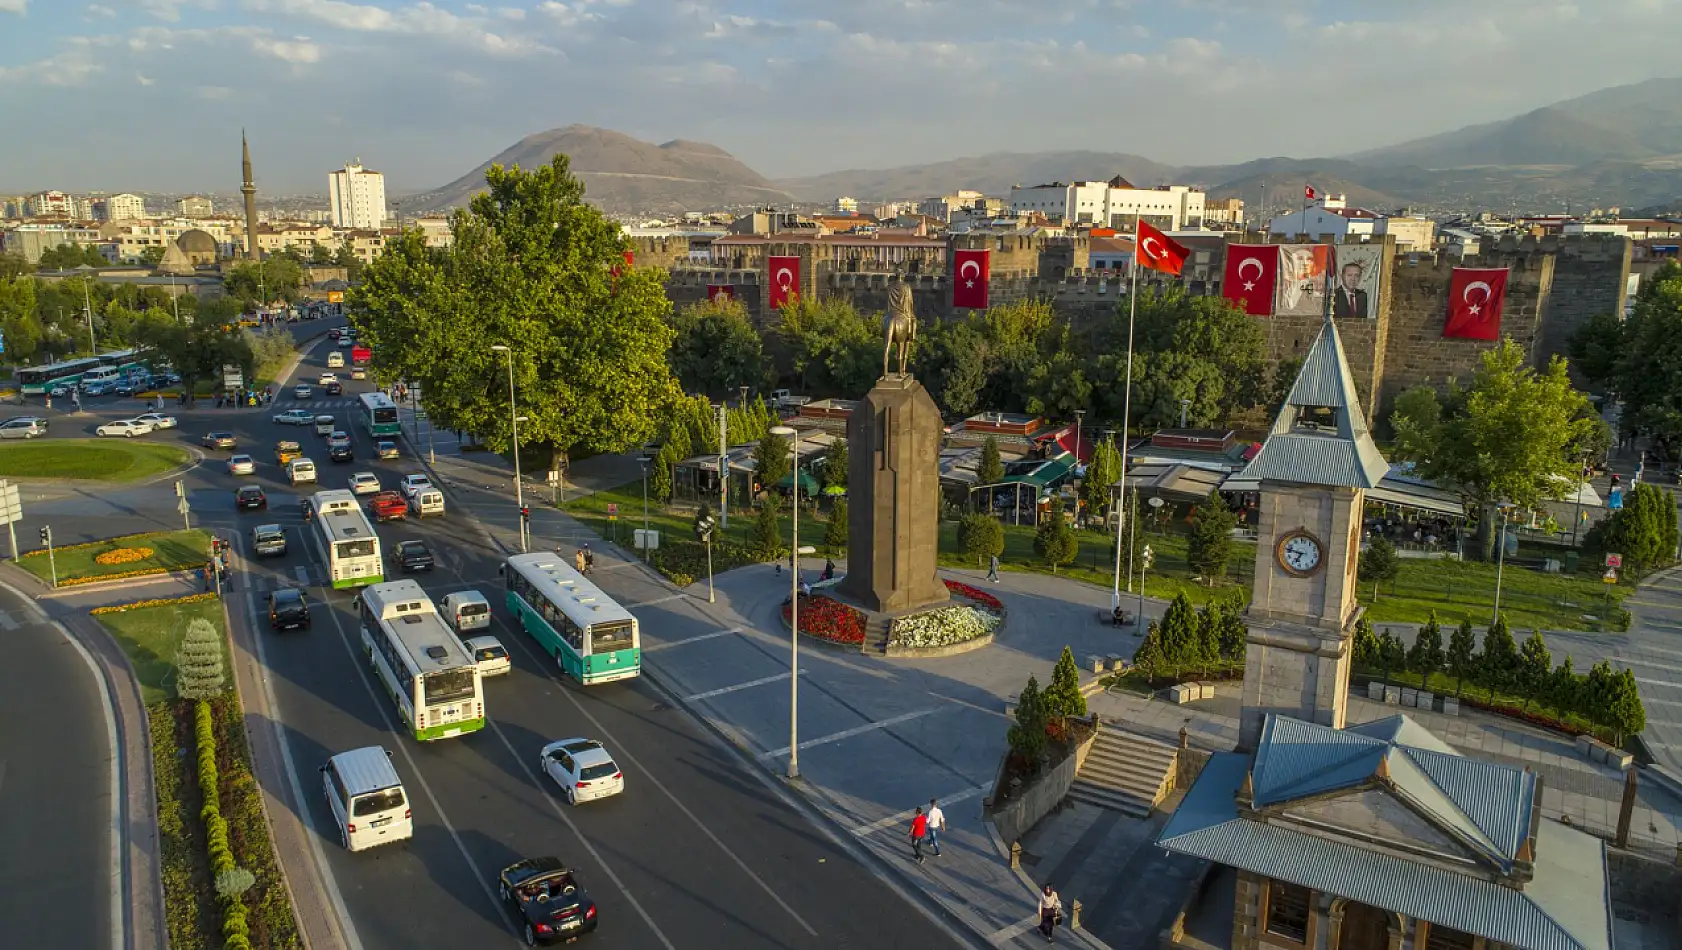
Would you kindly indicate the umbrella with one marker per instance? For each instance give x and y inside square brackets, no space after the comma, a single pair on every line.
[808,484]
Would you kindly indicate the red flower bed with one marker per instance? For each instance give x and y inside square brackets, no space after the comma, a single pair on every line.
[828,619]
[976,594]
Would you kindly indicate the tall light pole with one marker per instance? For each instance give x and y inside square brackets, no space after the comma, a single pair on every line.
[1078,414]
[644,460]
[793,612]
[1500,559]
[1185,407]
[514,437]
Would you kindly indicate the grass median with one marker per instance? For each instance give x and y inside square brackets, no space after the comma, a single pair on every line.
[106,460]
[170,551]
[150,636]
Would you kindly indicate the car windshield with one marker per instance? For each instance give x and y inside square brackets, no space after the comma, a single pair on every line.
[411,547]
[474,610]
[592,772]
[376,802]
[274,535]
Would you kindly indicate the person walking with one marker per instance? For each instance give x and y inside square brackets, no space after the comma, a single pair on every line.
[589,559]
[828,570]
[919,829]
[578,560]
[993,569]
[937,824]
[1051,912]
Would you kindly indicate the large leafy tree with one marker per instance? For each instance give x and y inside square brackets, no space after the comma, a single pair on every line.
[71,256]
[1211,543]
[18,318]
[716,349]
[835,350]
[1193,347]
[1103,470]
[537,270]
[1639,360]
[1515,434]
[277,277]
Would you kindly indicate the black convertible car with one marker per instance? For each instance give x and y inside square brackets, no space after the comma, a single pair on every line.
[548,901]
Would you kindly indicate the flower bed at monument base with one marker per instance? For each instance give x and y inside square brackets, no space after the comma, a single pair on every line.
[825,618]
[976,594]
[942,627]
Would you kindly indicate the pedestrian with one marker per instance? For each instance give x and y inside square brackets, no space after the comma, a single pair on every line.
[993,569]
[578,560]
[828,570]
[805,588]
[1051,911]
[204,575]
[919,829]
[589,559]
[937,824]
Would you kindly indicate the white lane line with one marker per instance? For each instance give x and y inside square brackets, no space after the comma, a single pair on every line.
[705,636]
[709,694]
[849,733]
[1012,931]
[864,831]
[7,621]
[624,753]
[657,600]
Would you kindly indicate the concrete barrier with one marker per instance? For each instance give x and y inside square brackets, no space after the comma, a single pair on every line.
[1036,799]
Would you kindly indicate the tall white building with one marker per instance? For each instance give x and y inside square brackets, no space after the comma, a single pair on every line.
[356,197]
[45,203]
[1112,204]
[195,206]
[121,207]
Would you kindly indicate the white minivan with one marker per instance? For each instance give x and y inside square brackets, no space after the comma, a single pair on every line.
[366,798]
[299,471]
[427,501]
[335,360]
[467,610]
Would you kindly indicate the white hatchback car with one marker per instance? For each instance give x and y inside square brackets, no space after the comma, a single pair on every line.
[128,429]
[583,769]
[364,483]
[302,391]
[414,484]
[489,655]
[157,419]
[326,378]
[242,465]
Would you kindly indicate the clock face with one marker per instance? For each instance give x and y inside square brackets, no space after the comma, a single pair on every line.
[1300,553]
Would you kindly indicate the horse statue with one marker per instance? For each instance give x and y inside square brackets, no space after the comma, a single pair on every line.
[899,325]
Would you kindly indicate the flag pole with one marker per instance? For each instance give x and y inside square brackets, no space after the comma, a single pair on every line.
[1126,413]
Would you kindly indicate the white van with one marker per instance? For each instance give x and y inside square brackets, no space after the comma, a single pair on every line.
[467,610]
[428,501]
[106,375]
[325,425]
[335,360]
[299,471]
[367,799]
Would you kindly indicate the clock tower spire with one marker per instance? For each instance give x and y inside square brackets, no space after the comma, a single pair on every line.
[1312,475]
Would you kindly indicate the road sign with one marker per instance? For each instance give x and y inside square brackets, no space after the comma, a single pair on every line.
[1611,575]
[11,507]
[182,508]
[612,510]
[1614,560]
[646,539]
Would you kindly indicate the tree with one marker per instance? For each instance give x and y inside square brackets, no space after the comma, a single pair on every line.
[835,350]
[1234,633]
[271,347]
[71,256]
[990,470]
[13,266]
[1392,656]
[1150,657]
[1027,735]
[530,268]
[981,536]
[1513,435]
[772,461]
[1625,715]
[1177,633]
[1596,348]
[834,468]
[1462,657]
[197,350]
[198,662]
[345,257]
[1499,660]
[1379,563]
[1103,470]
[1534,670]
[19,321]
[320,254]
[715,348]
[1565,688]
[1644,356]
[1190,346]
[1054,541]
[1210,544]
[1206,648]
[660,472]
[152,256]
[260,283]
[1644,531]
[835,532]
[1062,697]
[1426,655]
[1366,646]
[766,541]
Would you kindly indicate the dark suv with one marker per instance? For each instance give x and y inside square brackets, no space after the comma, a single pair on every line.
[288,610]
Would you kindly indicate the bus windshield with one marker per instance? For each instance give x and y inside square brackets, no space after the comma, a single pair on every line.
[448,685]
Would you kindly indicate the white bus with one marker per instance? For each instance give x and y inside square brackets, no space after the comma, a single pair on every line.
[591,637]
[346,541]
[415,654]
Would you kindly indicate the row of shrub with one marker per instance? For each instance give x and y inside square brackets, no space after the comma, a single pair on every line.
[232,881]
[1042,716]
[1187,641]
[155,602]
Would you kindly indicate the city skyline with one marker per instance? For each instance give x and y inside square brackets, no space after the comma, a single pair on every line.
[425,91]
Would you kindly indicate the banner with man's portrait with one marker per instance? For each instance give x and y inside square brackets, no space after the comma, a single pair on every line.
[1302,280]
[1355,283]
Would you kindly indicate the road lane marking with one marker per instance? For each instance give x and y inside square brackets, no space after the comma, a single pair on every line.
[657,600]
[705,636]
[624,754]
[1012,931]
[864,831]
[7,621]
[709,694]
[849,733]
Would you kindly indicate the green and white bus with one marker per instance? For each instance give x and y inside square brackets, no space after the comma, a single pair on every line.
[591,637]
[416,656]
[345,540]
[379,415]
[38,380]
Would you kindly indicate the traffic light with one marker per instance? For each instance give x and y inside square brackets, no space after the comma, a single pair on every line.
[525,513]
[46,535]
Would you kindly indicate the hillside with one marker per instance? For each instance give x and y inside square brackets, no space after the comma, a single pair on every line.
[991,174]
[624,174]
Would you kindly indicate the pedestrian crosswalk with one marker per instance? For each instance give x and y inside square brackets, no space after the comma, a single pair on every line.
[280,405]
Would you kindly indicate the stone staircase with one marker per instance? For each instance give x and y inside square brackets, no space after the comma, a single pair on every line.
[1125,773]
[876,638]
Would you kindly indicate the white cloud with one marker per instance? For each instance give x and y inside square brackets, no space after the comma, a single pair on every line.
[20,7]
[214,93]
[423,19]
[170,10]
[295,51]
[144,79]
[71,67]
[511,13]
[100,10]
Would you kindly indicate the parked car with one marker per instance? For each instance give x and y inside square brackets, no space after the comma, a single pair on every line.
[546,899]
[127,428]
[388,506]
[157,419]
[582,768]
[219,440]
[413,556]
[288,609]
[250,498]
[293,417]
[24,428]
[365,483]
[242,465]
[268,540]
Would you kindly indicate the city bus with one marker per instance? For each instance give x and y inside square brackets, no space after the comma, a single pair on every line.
[38,380]
[591,637]
[430,675]
[345,540]
[379,415]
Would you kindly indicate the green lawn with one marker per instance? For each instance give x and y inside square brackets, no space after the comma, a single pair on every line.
[149,635]
[675,524]
[112,460]
[171,551]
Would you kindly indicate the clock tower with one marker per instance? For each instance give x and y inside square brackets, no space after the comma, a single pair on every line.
[1311,474]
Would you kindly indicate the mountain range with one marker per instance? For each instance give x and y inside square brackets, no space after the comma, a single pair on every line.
[1617,147]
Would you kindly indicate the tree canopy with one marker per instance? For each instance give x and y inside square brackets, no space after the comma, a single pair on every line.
[259,283]
[532,268]
[716,349]
[1639,359]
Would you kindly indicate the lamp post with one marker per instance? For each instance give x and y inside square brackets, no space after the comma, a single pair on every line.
[1185,407]
[514,436]
[644,460]
[793,612]
[1500,559]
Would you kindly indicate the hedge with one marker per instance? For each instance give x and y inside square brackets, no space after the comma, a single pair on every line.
[160,602]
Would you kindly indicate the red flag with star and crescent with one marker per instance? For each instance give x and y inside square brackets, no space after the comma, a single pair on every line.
[1475,298]
[785,280]
[1158,251]
[719,293]
[1252,272]
[970,270]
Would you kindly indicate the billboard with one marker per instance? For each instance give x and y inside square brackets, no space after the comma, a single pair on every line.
[1301,291]
[1355,283]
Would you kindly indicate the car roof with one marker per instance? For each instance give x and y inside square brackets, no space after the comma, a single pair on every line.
[286,593]
[412,543]
[479,643]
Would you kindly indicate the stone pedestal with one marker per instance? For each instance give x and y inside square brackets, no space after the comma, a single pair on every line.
[893,504]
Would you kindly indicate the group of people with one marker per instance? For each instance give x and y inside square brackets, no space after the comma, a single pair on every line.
[926,829]
[250,398]
[1428,532]
[583,559]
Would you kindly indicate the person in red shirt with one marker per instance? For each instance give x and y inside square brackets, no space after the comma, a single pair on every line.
[919,830]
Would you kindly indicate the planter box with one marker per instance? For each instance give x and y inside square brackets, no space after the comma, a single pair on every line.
[1450,706]
[1423,700]
[1585,746]
[1410,697]
[1116,661]
[1182,693]
[1392,695]
[1375,691]
[1095,663]
[1205,690]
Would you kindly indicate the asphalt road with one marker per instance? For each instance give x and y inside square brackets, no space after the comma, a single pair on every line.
[697,853]
[57,874]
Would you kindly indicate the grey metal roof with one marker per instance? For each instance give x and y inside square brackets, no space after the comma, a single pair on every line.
[1564,907]
[1344,453]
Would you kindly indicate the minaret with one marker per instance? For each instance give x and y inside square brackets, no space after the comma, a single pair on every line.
[249,189]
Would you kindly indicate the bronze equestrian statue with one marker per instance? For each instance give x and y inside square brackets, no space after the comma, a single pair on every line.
[899,325]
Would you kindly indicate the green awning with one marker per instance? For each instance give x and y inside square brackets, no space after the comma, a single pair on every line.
[1045,474]
[808,484]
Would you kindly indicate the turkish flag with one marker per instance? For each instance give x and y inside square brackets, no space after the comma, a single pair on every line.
[1308,192]
[1252,271]
[630,258]
[1158,251]
[785,280]
[1475,296]
[969,278]
[719,293]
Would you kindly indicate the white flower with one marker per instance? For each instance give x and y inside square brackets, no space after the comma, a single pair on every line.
[944,626]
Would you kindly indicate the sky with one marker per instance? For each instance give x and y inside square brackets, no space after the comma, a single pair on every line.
[151,94]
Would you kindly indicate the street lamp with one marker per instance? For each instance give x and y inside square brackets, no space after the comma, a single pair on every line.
[1500,559]
[793,612]
[644,460]
[514,436]
[1185,407]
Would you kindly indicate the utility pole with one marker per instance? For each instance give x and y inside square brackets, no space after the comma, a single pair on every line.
[723,465]
[87,308]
